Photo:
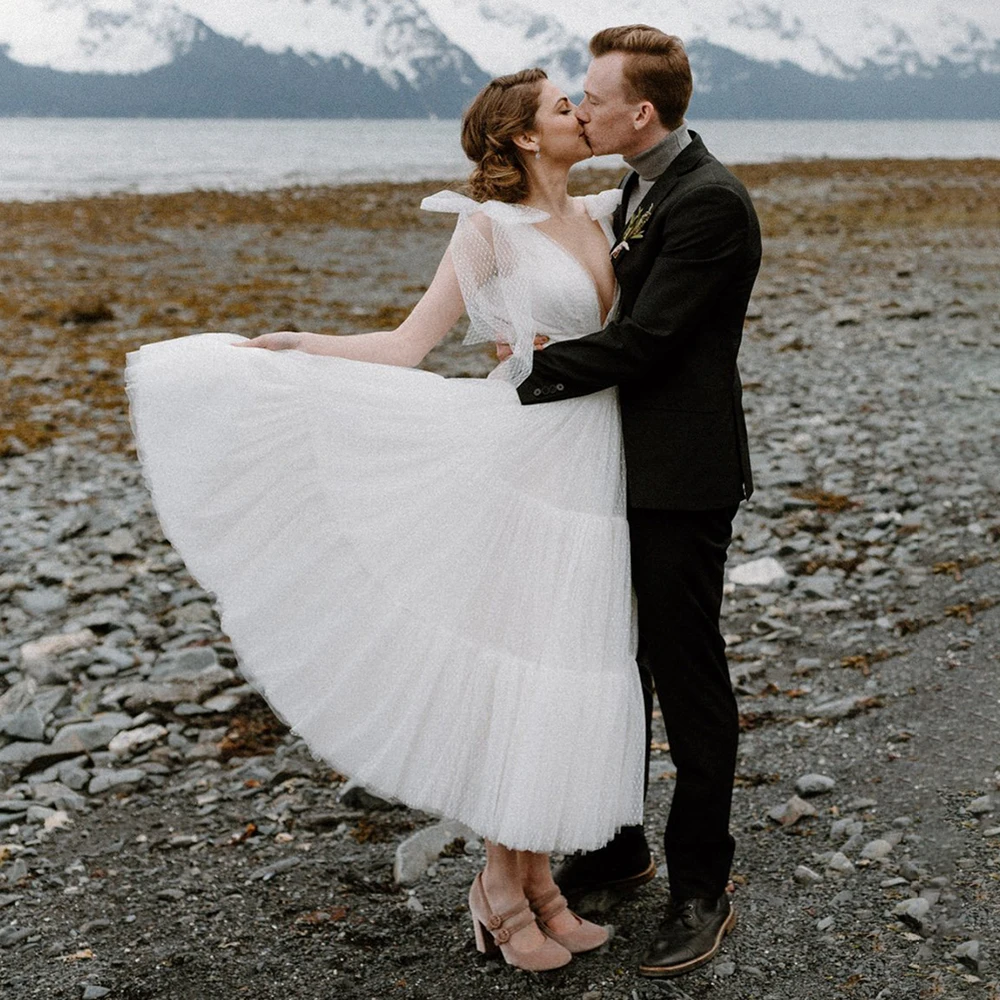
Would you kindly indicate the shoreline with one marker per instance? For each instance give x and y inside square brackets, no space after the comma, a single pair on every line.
[583,177]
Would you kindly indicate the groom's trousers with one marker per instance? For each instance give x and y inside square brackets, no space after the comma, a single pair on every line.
[678,561]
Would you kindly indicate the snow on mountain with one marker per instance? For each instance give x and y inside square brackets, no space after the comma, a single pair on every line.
[93,36]
[505,36]
[393,36]
[813,58]
[838,39]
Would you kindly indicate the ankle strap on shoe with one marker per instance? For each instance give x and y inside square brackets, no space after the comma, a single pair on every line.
[549,904]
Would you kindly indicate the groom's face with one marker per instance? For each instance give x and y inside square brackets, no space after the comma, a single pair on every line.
[608,118]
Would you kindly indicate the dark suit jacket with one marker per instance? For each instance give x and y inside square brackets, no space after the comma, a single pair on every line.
[672,348]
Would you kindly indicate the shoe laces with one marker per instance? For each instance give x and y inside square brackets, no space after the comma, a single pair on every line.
[684,910]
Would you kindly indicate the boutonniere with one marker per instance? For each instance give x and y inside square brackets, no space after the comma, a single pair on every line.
[635,229]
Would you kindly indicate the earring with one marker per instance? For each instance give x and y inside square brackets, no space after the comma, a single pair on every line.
[538,154]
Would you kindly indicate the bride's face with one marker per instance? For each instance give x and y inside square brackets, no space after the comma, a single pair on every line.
[559,134]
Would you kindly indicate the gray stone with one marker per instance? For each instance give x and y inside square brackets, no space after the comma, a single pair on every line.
[765,572]
[224,702]
[841,863]
[28,756]
[266,872]
[979,807]
[103,583]
[821,585]
[39,659]
[791,811]
[724,969]
[806,876]
[131,740]
[107,778]
[184,664]
[91,992]
[13,935]
[41,601]
[968,954]
[913,912]
[875,850]
[92,735]
[28,724]
[814,784]
[58,796]
[840,708]
[421,849]
[144,694]
[16,871]
[825,924]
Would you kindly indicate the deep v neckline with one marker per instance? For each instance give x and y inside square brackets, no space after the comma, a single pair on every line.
[602,313]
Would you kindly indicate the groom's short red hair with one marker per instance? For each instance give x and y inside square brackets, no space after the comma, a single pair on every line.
[656,70]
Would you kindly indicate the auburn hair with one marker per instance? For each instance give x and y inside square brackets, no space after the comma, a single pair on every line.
[504,109]
[656,68]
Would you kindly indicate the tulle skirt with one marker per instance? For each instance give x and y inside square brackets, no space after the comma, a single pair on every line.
[427,581]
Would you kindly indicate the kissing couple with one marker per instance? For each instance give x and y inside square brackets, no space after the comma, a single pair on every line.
[465,600]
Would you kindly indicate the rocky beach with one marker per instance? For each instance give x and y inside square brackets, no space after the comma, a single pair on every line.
[163,835]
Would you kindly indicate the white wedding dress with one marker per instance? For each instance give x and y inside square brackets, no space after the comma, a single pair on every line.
[427,581]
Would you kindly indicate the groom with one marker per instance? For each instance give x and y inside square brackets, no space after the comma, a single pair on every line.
[687,254]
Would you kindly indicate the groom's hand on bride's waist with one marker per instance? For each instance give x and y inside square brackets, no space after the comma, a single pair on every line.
[504,351]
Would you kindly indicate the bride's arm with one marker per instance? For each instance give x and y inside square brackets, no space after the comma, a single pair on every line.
[431,318]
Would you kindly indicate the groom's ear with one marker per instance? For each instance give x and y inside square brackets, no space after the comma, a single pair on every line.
[645,114]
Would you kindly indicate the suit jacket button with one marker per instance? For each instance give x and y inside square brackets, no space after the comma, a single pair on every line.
[560,386]
[538,392]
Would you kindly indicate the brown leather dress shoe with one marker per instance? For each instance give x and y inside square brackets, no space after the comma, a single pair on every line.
[689,937]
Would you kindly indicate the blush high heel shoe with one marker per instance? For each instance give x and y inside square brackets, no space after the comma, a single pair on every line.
[585,936]
[494,932]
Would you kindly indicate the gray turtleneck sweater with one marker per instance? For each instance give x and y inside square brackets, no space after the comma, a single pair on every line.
[650,163]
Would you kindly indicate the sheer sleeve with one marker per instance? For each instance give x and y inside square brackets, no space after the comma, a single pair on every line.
[493,275]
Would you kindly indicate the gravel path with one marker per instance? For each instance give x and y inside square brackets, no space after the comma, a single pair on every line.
[163,836]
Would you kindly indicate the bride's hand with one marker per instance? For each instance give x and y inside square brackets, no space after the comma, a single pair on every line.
[504,351]
[284,340]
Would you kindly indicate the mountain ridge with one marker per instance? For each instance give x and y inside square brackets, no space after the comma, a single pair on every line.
[417,58]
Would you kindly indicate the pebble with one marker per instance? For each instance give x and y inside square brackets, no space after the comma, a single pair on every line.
[806,876]
[979,807]
[725,969]
[814,784]
[825,924]
[95,992]
[913,912]
[791,811]
[105,779]
[968,954]
[764,572]
[841,863]
[420,850]
[876,850]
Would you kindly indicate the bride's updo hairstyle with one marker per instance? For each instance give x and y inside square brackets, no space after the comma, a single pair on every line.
[503,109]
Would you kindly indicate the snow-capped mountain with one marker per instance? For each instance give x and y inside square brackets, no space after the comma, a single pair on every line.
[397,58]
[104,36]
[835,39]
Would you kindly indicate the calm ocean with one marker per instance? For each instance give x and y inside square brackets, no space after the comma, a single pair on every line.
[43,158]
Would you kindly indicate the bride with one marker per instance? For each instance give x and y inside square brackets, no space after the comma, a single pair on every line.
[428,581]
